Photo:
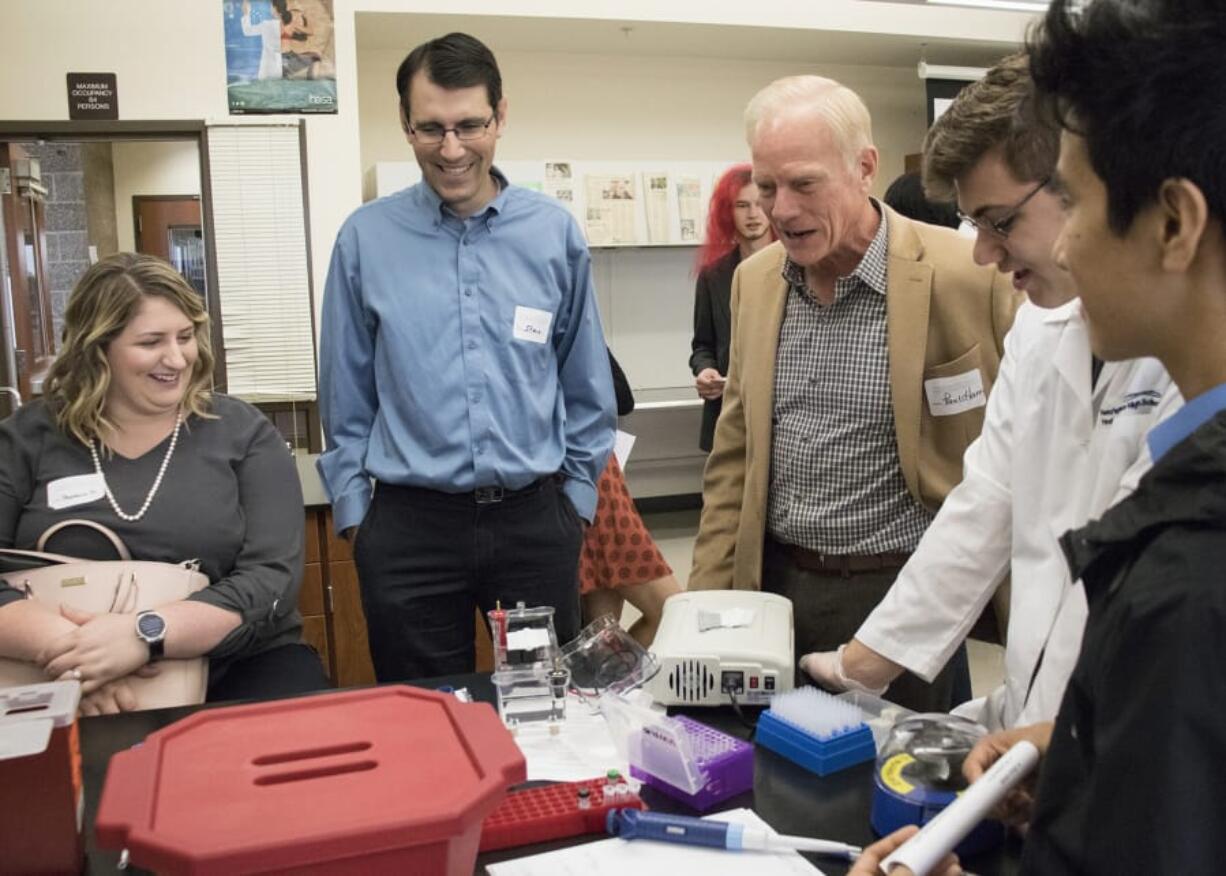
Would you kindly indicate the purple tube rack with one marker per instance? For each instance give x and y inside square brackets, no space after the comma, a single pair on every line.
[727,761]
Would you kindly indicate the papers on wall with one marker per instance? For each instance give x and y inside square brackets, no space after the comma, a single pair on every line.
[611,214]
[691,209]
[655,199]
[617,857]
[559,183]
[616,203]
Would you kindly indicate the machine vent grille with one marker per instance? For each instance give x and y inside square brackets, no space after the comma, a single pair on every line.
[691,681]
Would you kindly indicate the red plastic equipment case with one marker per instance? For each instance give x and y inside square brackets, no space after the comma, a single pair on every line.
[390,779]
[537,815]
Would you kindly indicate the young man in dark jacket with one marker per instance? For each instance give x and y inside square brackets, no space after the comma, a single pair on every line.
[1130,779]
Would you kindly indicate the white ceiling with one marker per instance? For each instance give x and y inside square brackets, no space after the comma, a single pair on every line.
[403,31]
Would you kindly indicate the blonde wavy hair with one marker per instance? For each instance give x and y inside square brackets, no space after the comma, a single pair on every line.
[104,301]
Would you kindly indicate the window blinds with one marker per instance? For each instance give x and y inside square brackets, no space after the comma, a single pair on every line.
[259,229]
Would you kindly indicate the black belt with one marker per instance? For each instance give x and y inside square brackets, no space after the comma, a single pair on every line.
[844,565]
[480,496]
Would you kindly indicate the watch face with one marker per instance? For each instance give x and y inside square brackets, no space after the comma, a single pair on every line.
[151,626]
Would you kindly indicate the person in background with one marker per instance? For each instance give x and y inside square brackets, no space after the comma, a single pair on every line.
[736,229]
[463,370]
[1125,784]
[906,195]
[863,349]
[1063,440]
[620,561]
[177,472]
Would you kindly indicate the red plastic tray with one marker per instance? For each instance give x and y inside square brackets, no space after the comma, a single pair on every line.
[382,778]
[536,815]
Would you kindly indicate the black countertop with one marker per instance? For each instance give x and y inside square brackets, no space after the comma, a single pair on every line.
[788,798]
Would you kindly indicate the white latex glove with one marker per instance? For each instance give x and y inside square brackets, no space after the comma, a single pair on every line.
[826,668]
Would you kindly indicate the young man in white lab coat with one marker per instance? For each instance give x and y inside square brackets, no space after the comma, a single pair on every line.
[1063,437]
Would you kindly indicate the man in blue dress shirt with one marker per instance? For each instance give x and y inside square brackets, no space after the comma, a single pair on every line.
[463,370]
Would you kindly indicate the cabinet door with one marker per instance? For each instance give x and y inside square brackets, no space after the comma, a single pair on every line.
[312,600]
[352,650]
[314,615]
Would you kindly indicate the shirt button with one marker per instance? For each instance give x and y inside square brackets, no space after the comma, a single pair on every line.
[472,345]
[468,292]
[464,241]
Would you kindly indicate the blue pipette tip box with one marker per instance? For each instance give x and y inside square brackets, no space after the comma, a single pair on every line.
[821,756]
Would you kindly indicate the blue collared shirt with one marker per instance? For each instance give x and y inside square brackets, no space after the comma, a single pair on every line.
[462,353]
[1185,421]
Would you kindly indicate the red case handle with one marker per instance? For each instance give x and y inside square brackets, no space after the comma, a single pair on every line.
[492,743]
[126,805]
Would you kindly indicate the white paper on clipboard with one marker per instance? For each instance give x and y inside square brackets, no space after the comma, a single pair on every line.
[617,857]
[623,443]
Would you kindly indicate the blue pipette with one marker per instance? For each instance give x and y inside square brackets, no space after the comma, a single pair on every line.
[636,824]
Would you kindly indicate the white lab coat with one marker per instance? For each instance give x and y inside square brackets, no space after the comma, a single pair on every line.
[1051,456]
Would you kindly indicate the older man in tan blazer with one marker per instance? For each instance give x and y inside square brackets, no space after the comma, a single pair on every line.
[863,348]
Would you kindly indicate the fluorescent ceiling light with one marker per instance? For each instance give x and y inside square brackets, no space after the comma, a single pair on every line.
[944,71]
[1014,5]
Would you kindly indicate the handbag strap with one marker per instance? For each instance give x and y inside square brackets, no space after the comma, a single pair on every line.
[38,555]
[115,540]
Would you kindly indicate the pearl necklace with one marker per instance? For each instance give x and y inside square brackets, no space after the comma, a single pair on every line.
[157,482]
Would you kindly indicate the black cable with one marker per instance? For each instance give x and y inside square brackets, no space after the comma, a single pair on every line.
[752,726]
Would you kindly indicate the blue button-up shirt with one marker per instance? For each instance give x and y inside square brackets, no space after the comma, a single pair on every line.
[462,353]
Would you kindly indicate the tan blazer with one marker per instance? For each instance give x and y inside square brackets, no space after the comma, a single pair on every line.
[945,317]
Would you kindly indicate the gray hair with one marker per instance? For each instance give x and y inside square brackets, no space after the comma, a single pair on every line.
[836,104]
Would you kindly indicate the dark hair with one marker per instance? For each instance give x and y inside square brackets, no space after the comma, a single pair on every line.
[456,60]
[906,195]
[997,110]
[1142,82]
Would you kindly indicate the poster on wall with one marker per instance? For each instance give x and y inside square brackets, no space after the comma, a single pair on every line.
[280,56]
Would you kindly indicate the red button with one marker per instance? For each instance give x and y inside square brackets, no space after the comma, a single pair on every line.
[753,681]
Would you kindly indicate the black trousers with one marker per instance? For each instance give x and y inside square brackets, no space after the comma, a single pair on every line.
[284,671]
[827,609]
[426,559]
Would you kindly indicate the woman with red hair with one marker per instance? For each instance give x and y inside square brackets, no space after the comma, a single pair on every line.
[736,229]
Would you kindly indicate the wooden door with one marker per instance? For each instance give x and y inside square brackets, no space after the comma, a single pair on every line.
[169,227]
[28,291]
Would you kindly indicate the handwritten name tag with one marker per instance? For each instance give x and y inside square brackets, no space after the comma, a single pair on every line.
[532,324]
[73,491]
[953,395]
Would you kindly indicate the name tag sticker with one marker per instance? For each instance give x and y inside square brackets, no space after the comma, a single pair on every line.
[73,491]
[953,395]
[532,324]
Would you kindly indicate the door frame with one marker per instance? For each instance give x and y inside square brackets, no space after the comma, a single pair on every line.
[104,131]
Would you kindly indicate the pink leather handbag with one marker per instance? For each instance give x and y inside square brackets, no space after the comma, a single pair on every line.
[123,586]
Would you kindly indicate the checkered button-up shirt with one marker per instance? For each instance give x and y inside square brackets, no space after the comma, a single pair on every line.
[836,482]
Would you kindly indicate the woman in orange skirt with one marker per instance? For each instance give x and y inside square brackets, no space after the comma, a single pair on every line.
[619,561]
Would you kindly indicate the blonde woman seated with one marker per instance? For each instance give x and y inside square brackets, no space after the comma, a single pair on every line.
[182,473]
